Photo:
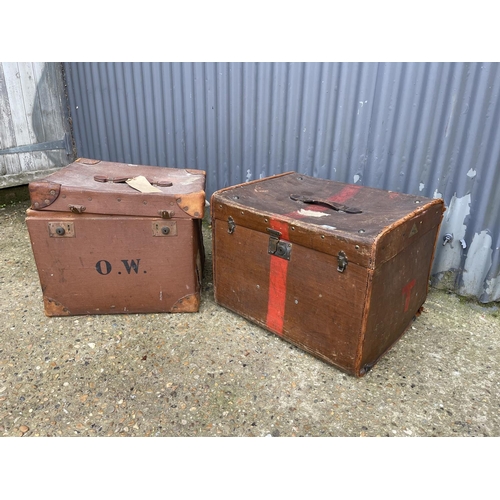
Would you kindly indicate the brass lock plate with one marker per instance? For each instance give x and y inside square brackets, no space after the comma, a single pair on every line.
[62,229]
[164,228]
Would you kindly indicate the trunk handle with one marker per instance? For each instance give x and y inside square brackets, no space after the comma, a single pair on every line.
[104,178]
[325,202]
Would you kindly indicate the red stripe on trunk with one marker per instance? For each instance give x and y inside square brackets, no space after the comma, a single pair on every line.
[406,291]
[278,267]
[277,284]
[345,193]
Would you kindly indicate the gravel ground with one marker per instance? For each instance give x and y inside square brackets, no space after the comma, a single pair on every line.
[215,374]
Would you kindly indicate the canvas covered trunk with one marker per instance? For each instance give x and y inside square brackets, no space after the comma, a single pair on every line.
[339,270]
[104,247]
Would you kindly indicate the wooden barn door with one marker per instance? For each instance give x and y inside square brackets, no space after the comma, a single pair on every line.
[35,132]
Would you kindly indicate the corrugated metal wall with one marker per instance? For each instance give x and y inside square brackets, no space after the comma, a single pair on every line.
[35,135]
[420,128]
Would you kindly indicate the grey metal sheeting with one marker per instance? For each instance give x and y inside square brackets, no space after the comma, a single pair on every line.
[419,128]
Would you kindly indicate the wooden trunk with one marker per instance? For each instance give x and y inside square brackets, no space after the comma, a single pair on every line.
[103,247]
[339,270]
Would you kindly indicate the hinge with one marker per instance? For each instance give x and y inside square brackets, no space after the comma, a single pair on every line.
[276,247]
[64,143]
[342,261]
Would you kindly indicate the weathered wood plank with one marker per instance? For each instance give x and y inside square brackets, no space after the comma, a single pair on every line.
[19,114]
[22,178]
[48,113]
[9,163]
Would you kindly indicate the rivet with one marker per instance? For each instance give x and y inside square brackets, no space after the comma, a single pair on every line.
[52,192]
[242,213]
[266,220]
[296,301]
[47,201]
[417,201]
[357,247]
[361,231]
[196,214]
[185,208]
[258,287]
[145,202]
[220,206]
[89,198]
[322,236]
[118,199]
[293,229]
[37,204]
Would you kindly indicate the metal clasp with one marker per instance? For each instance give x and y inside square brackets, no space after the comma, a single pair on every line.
[276,247]
[231,225]
[342,261]
[77,209]
[166,214]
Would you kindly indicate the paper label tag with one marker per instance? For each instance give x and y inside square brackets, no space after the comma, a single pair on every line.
[142,184]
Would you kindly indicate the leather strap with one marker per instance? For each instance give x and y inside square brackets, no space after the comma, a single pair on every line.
[103,178]
[324,202]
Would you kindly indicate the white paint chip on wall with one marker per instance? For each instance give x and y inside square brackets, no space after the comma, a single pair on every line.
[453,223]
[477,264]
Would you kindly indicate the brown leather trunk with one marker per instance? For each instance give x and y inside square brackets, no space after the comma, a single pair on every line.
[339,270]
[103,247]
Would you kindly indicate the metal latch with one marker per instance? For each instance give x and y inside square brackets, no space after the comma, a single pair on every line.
[230,225]
[342,261]
[76,209]
[166,214]
[276,247]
